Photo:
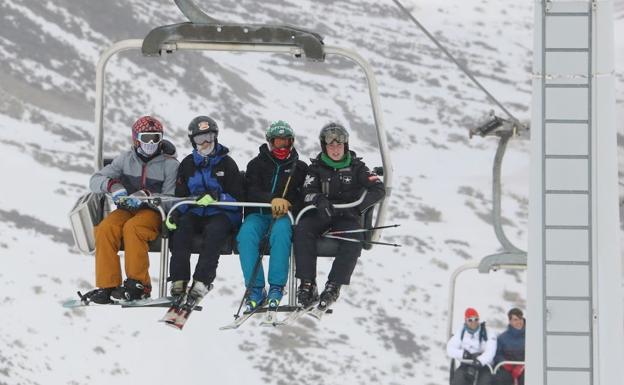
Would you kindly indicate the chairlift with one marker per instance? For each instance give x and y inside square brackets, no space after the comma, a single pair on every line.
[512,258]
[203,33]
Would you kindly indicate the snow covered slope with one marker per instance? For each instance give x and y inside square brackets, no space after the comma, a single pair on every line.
[389,325]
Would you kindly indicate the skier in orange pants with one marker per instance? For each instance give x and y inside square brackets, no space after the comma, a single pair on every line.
[150,167]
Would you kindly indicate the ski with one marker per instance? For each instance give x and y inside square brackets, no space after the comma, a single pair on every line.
[318,312]
[178,319]
[270,319]
[241,320]
[296,314]
[84,301]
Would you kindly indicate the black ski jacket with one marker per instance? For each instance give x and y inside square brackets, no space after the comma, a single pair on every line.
[343,185]
[266,179]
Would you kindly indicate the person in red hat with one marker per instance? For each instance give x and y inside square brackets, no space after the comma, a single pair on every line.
[149,167]
[475,348]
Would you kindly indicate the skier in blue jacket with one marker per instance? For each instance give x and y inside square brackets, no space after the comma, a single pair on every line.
[212,175]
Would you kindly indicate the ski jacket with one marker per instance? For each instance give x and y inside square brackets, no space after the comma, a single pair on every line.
[266,178]
[198,175]
[343,185]
[483,344]
[510,345]
[157,175]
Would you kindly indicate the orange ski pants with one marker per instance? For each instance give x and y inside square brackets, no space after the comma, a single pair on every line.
[136,229]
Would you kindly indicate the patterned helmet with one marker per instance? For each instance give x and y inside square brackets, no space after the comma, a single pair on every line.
[279,129]
[145,124]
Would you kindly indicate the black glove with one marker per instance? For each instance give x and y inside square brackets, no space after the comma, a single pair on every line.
[324,206]
[476,363]
[470,373]
[467,356]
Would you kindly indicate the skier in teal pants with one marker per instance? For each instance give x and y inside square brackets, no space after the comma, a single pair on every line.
[267,180]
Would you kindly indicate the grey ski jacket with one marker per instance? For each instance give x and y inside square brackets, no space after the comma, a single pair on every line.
[158,176]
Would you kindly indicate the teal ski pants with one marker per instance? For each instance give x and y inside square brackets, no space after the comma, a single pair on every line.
[250,239]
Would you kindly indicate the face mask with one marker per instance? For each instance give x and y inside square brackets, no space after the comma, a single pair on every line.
[281,153]
[205,149]
[148,149]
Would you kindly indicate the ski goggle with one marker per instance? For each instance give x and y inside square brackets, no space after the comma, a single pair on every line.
[472,319]
[147,137]
[331,137]
[206,137]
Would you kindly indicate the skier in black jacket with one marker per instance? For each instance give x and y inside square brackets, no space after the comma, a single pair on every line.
[335,176]
[275,171]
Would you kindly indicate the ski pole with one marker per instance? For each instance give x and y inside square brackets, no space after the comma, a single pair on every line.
[360,240]
[359,230]
[254,274]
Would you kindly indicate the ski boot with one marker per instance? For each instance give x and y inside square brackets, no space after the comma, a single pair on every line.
[307,294]
[100,296]
[131,290]
[329,295]
[275,296]
[178,291]
[196,293]
[256,298]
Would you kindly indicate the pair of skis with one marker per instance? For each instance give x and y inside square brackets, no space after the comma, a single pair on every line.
[271,319]
[180,311]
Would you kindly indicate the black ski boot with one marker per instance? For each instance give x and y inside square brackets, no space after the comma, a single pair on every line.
[329,295]
[131,290]
[307,294]
[100,296]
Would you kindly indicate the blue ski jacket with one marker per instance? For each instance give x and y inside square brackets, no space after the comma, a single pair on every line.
[218,173]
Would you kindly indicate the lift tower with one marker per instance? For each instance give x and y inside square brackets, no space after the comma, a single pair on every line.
[575,333]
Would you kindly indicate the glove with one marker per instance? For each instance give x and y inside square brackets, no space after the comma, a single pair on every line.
[467,356]
[279,207]
[476,363]
[208,198]
[324,207]
[470,373]
[172,221]
[118,194]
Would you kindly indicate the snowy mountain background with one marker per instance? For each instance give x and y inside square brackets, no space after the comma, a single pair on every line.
[389,326]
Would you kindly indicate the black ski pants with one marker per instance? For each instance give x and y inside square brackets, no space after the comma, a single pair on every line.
[461,377]
[214,231]
[503,377]
[308,231]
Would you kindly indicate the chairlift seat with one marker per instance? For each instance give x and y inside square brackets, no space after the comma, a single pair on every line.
[326,247]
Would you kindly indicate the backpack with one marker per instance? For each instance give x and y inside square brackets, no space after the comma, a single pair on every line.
[482,333]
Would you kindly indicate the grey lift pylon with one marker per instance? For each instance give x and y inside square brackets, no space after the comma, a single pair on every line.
[574,282]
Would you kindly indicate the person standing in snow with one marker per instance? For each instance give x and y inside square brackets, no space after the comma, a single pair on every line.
[212,175]
[510,347]
[473,342]
[275,175]
[335,176]
[150,167]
